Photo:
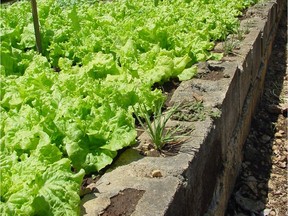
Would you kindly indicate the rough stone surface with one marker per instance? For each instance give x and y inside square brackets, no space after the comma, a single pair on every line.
[199,179]
[261,185]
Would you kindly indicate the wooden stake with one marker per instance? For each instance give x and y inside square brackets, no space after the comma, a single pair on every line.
[36,26]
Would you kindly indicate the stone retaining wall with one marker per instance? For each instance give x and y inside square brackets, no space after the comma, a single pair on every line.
[199,180]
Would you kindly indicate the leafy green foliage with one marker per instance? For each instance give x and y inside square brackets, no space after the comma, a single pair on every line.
[40,183]
[194,111]
[71,109]
[190,111]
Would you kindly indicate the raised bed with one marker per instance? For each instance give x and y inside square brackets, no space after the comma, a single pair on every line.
[198,179]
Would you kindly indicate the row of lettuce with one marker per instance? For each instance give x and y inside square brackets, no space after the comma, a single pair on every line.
[67,112]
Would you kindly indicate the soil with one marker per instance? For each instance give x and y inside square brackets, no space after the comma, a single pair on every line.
[261,187]
[124,203]
[208,71]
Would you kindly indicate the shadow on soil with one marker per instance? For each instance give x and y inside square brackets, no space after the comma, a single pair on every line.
[250,194]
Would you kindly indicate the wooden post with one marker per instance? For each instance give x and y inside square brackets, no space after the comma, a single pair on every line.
[36,26]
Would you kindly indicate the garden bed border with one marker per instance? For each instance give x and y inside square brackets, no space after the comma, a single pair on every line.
[199,180]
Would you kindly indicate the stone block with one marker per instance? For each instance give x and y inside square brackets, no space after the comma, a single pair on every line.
[245,72]
[256,54]
[265,37]
[231,104]
[271,17]
[246,118]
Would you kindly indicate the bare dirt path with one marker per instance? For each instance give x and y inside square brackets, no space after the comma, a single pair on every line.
[261,188]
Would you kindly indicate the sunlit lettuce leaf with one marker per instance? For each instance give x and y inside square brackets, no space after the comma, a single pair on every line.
[71,107]
[37,186]
[188,73]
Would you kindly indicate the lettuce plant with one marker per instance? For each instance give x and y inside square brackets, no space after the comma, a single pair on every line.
[67,112]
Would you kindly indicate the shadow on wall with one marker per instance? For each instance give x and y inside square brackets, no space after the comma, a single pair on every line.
[250,194]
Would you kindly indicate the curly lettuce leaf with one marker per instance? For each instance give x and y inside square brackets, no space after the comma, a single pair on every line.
[71,107]
[39,185]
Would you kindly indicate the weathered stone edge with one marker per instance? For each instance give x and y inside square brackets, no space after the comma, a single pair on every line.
[226,140]
[200,179]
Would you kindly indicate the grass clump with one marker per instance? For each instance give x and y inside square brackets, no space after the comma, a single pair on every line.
[156,126]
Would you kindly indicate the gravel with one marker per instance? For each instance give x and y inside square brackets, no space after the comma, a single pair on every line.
[261,187]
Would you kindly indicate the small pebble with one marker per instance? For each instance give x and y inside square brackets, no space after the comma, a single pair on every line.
[265,138]
[152,153]
[271,186]
[266,212]
[278,141]
[278,135]
[156,174]
[282,164]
